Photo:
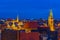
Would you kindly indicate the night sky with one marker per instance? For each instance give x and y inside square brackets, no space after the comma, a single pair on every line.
[29,9]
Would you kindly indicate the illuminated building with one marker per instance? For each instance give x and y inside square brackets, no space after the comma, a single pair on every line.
[53,32]
[51,22]
[13,25]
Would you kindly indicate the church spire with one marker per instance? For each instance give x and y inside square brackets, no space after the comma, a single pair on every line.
[51,15]
[17,19]
[51,21]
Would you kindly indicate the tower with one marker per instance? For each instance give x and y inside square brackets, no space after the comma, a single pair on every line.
[51,21]
[17,19]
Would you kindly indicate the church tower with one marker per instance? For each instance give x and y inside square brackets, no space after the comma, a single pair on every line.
[51,21]
[17,19]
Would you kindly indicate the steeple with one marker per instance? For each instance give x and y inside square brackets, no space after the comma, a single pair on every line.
[17,19]
[51,15]
[51,21]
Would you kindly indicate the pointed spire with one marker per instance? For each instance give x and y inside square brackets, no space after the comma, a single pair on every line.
[17,19]
[51,13]
[51,21]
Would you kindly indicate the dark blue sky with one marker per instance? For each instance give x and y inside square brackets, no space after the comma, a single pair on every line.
[29,9]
